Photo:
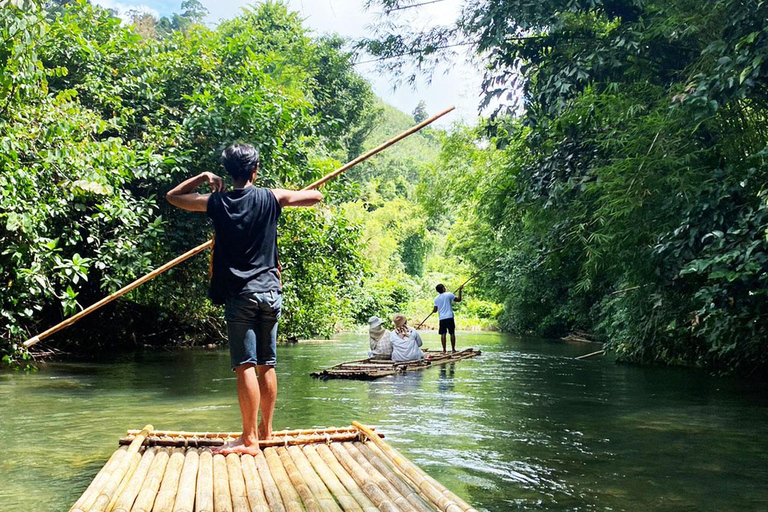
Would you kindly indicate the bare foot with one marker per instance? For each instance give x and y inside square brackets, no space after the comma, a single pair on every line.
[238,446]
[265,433]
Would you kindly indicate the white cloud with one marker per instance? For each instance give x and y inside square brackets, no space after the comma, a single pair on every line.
[124,10]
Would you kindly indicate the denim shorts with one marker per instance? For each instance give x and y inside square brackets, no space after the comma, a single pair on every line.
[252,327]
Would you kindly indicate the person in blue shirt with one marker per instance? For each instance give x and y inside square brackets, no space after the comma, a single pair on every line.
[246,278]
[444,309]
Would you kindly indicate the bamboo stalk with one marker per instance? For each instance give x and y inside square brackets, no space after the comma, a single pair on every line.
[200,248]
[373,491]
[185,442]
[379,148]
[330,480]
[394,477]
[135,460]
[379,479]
[204,488]
[146,496]
[237,484]
[597,353]
[166,496]
[319,490]
[271,492]
[446,502]
[185,497]
[235,435]
[91,492]
[222,499]
[253,487]
[291,499]
[99,494]
[298,481]
[128,496]
[346,480]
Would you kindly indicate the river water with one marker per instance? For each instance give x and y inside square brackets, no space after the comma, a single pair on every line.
[522,427]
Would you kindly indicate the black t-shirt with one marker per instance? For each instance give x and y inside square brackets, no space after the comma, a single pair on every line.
[245,249]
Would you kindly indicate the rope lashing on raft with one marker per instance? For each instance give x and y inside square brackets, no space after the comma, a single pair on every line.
[200,248]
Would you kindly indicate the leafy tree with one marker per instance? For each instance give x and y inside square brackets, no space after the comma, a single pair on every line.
[420,112]
[629,196]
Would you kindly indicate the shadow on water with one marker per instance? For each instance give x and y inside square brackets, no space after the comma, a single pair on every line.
[523,427]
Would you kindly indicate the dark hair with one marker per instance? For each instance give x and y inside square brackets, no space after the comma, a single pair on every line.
[440,288]
[240,160]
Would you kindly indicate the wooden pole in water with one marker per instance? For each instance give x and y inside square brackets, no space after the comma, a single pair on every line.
[599,352]
[200,248]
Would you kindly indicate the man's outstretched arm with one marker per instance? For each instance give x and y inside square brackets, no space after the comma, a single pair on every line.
[184,196]
[297,197]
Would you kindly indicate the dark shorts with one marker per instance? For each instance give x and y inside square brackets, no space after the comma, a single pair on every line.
[252,327]
[447,325]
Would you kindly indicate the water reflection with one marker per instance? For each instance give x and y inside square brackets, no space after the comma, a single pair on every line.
[523,427]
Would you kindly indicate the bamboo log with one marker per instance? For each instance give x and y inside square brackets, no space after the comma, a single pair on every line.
[235,435]
[271,492]
[198,443]
[222,499]
[91,492]
[200,248]
[99,495]
[146,497]
[373,491]
[298,481]
[394,477]
[136,460]
[446,502]
[379,148]
[126,498]
[253,487]
[291,499]
[204,488]
[319,490]
[330,480]
[237,484]
[346,480]
[384,484]
[166,496]
[185,497]
[437,485]
[599,352]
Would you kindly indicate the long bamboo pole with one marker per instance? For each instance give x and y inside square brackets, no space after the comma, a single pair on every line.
[460,287]
[200,248]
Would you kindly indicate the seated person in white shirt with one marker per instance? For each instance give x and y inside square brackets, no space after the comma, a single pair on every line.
[381,344]
[405,341]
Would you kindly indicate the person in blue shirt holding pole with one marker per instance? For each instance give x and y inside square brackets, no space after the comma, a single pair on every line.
[444,309]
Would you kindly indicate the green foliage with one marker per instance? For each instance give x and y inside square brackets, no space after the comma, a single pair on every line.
[629,196]
[98,124]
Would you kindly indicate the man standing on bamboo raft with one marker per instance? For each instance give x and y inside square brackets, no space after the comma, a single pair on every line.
[444,309]
[246,278]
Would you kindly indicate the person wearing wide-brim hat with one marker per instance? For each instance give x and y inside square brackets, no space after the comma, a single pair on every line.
[405,341]
[381,344]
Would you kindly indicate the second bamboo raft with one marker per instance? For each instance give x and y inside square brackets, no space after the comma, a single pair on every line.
[370,369]
[348,469]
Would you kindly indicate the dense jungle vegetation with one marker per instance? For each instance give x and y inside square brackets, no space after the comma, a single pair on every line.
[619,180]
[622,176]
[100,119]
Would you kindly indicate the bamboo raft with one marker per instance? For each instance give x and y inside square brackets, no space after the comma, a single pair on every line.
[370,369]
[347,469]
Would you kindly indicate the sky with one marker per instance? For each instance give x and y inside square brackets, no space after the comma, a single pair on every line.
[458,84]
